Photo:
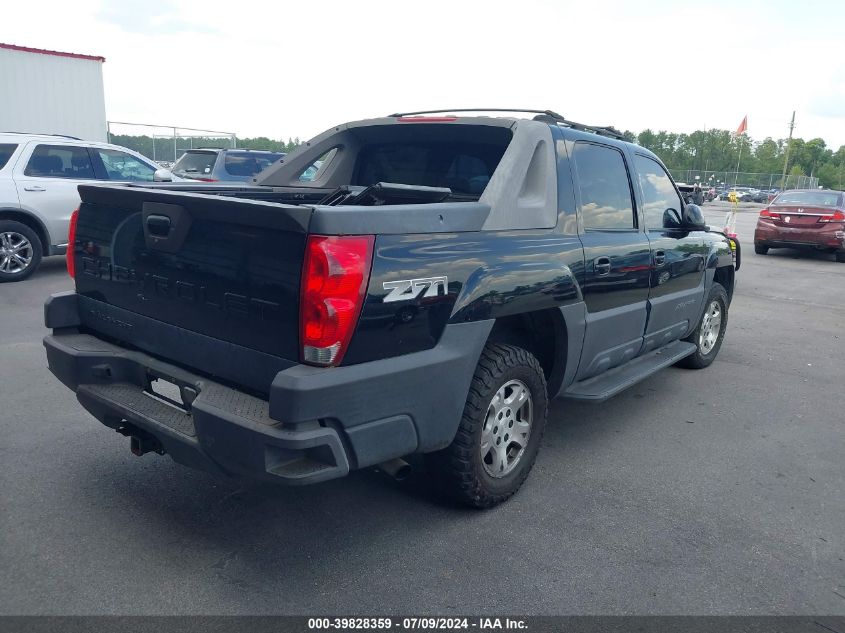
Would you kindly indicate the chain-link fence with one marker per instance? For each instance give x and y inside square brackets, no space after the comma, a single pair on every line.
[166,143]
[743,179]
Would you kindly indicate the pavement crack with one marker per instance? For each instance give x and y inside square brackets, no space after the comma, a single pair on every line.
[817,623]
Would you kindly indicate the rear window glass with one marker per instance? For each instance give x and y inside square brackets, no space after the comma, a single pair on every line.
[606,201]
[810,198]
[198,163]
[6,151]
[248,163]
[60,161]
[465,168]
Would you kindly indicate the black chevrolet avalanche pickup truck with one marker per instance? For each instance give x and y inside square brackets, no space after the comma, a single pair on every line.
[400,285]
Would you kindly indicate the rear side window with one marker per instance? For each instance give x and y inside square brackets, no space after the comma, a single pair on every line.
[6,151]
[195,164]
[60,161]
[247,163]
[465,168]
[658,192]
[606,202]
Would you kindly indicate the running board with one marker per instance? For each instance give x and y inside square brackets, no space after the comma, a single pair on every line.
[608,384]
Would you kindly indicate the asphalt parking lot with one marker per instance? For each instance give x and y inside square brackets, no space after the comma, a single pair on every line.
[710,492]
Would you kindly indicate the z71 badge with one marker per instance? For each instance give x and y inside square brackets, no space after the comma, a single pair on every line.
[412,288]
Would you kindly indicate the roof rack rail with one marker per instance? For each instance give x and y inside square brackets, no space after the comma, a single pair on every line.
[546,112]
[608,130]
[73,138]
[549,116]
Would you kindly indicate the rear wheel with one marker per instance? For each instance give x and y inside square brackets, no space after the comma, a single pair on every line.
[500,431]
[760,249]
[20,251]
[710,332]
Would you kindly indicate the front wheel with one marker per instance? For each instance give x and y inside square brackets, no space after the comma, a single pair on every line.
[760,249]
[710,332]
[500,431]
[840,257]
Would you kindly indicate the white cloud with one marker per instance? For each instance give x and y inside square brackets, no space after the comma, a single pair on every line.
[295,68]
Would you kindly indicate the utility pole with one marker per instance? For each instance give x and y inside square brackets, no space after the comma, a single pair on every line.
[786,160]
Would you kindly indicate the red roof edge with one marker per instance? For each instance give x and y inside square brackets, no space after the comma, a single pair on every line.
[42,51]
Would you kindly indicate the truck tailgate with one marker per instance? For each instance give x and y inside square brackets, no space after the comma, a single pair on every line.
[225,269]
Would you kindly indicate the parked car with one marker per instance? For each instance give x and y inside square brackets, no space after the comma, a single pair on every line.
[429,290]
[803,218]
[743,194]
[692,194]
[223,165]
[39,175]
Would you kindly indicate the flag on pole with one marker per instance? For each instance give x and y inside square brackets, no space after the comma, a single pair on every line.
[742,126]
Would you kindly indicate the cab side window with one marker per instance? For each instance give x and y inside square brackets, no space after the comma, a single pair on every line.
[606,201]
[659,193]
[60,161]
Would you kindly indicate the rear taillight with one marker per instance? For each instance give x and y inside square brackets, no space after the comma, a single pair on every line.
[334,282]
[838,216]
[71,242]
[768,213]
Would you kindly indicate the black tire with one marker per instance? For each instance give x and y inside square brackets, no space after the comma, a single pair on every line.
[704,355]
[460,468]
[12,228]
[840,257]
[760,249]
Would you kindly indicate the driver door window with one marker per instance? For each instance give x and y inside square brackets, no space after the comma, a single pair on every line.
[659,193]
[124,167]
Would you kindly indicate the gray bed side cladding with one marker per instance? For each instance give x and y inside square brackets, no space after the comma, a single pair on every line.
[430,387]
[522,193]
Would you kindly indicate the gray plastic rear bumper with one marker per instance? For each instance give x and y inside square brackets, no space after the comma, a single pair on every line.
[317,424]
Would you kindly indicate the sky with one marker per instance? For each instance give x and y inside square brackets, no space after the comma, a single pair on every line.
[293,69]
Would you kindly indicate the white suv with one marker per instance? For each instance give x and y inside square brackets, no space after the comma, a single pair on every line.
[39,175]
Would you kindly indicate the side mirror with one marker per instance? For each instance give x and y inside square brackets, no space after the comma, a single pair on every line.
[693,218]
[163,175]
[671,219]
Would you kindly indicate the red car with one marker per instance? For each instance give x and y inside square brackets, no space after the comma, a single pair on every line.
[803,218]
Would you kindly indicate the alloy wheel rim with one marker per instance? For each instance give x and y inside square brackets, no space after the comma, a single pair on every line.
[711,326]
[15,252]
[506,429]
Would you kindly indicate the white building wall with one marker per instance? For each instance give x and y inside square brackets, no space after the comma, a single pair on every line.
[49,94]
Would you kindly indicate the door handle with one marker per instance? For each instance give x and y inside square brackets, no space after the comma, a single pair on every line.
[601,265]
[34,188]
[659,258]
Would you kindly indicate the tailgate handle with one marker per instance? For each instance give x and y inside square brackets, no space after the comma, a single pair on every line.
[158,225]
[166,226]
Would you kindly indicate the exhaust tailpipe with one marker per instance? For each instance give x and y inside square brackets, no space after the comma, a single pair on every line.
[397,468]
